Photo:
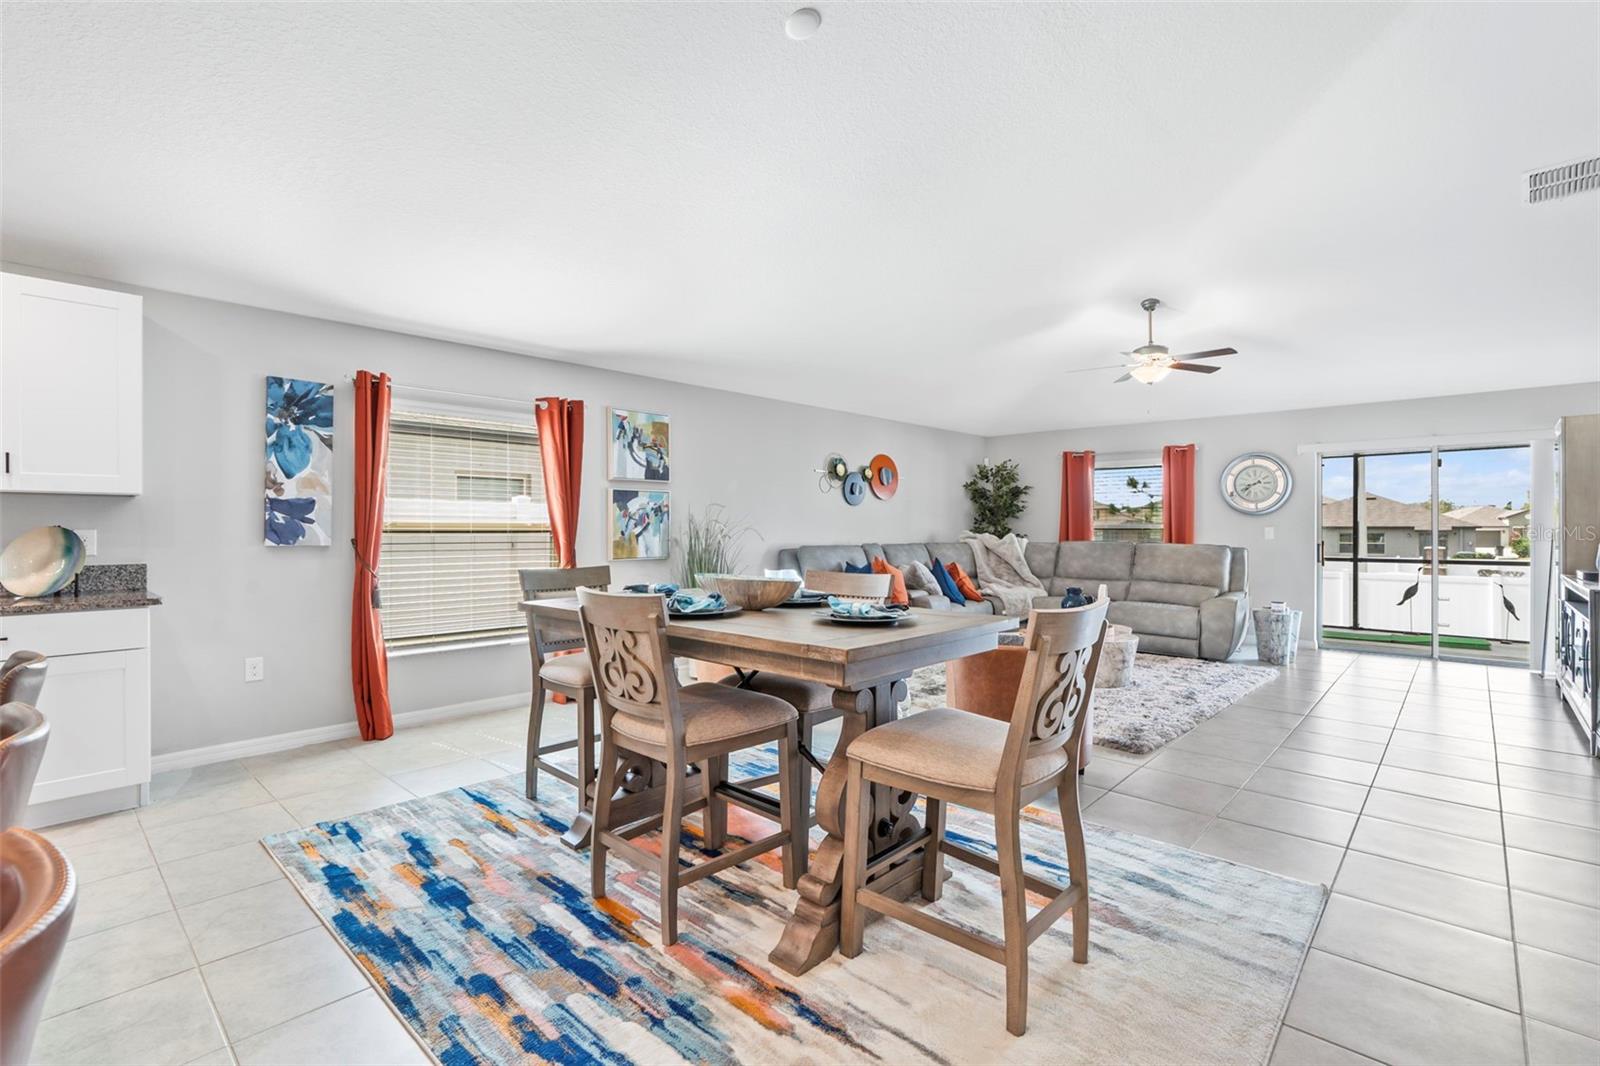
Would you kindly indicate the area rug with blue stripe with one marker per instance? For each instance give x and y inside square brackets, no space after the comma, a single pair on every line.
[468,913]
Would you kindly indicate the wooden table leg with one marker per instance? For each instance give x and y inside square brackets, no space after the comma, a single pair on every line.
[813,930]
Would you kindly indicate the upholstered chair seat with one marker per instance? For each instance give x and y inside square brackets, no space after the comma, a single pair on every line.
[806,697]
[571,671]
[710,713]
[950,747]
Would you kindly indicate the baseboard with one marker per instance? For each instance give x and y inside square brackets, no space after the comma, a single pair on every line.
[300,738]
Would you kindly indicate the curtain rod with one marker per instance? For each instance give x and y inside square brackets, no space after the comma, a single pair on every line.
[350,378]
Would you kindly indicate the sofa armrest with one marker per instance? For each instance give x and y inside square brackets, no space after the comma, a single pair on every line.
[1222,625]
[919,598]
[937,603]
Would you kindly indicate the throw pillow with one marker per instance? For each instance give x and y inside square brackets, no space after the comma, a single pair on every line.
[968,587]
[864,568]
[897,581]
[920,578]
[946,585]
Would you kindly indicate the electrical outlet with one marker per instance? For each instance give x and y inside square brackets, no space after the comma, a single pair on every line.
[255,669]
[1268,532]
[91,541]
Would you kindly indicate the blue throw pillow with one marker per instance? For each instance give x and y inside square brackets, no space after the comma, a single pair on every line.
[865,568]
[947,584]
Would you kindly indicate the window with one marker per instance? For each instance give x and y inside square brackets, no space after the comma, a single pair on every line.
[1375,542]
[1127,503]
[1347,542]
[465,511]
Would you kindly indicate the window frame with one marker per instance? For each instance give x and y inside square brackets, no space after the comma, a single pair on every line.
[1142,533]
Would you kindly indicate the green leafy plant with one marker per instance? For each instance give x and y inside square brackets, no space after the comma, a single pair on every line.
[998,497]
[709,544]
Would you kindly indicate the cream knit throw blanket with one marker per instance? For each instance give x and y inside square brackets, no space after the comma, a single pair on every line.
[1003,573]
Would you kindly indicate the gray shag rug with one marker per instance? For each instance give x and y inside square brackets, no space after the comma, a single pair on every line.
[1167,697]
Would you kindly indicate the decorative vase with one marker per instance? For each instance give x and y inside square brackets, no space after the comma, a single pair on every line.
[41,562]
[1076,598]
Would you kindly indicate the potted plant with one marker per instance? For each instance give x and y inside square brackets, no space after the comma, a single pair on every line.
[708,544]
[998,497]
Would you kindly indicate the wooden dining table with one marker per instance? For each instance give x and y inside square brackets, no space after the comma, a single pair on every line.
[867,667]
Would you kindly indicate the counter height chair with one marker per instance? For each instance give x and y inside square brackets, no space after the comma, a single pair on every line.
[38,895]
[22,677]
[23,736]
[644,711]
[951,756]
[812,700]
[566,674]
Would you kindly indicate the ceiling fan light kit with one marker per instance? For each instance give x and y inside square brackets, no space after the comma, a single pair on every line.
[1154,362]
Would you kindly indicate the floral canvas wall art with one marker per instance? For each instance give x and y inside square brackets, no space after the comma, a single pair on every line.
[641,524]
[299,481]
[641,446]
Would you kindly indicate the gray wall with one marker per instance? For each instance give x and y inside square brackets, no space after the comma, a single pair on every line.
[1281,568]
[198,523]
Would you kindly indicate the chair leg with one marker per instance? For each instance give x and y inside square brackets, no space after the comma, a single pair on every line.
[530,786]
[852,916]
[604,786]
[1077,863]
[1014,905]
[932,857]
[792,806]
[714,819]
[671,831]
[585,747]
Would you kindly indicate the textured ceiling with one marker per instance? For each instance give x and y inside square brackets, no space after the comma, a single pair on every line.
[926,211]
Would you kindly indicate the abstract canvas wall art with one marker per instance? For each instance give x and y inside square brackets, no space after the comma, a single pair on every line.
[641,446]
[641,524]
[299,479]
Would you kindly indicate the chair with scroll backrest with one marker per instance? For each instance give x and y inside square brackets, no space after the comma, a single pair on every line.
[38,894]
[644,713]
[558,668]
[951,756]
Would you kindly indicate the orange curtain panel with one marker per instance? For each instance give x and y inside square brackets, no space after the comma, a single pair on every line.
[1077,496]
[560,425]
[369,661]
[1177,486]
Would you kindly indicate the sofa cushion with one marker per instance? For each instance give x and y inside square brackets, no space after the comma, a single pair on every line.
[1170,592]
[975,607]
[1090,562]
[1183,564]
[897,581]
[1041,556]
[964,583]
[919,576]
[947,584]
[901,554]
[1161,619]
[1116,590]
[954,552]
[864,568]
[830,556]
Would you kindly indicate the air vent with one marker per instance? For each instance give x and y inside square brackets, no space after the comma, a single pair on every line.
[1582,175]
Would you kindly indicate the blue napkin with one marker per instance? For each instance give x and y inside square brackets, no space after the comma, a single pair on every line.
[689,603]
[860,609]
[664,589]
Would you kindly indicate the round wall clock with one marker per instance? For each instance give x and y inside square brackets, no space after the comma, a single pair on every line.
[1256,483]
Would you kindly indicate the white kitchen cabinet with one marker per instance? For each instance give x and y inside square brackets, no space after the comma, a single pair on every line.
[96,698]
[71,388]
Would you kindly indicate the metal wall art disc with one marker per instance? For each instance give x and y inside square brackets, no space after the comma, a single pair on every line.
[855,489]
[884,477]
[837,468]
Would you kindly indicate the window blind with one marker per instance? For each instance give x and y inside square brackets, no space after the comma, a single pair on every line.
[1124,511]
[465,510]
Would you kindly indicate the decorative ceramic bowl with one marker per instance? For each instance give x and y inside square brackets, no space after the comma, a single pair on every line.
[751,593]
[41,562]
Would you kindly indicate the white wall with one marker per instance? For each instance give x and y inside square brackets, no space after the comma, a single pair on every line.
[198,523]
[1282,568]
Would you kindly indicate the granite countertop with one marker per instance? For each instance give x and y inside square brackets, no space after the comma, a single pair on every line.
[66,603]
[108,587]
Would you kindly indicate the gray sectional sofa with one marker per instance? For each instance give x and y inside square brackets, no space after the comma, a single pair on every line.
[1182,599]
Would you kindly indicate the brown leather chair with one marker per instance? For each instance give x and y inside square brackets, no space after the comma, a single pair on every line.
[22,678]
[23,735]
[38,894]
[987,684]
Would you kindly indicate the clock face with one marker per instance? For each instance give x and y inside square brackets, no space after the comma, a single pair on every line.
[1256,483]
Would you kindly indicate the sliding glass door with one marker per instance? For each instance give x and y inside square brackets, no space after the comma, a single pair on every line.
[1426,552]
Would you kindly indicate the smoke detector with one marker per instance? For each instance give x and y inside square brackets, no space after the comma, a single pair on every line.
[1555,183]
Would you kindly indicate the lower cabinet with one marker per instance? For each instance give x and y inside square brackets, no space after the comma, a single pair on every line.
[96,698]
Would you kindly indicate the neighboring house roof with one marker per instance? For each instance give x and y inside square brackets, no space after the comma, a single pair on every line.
[1384,513]
[1481,517]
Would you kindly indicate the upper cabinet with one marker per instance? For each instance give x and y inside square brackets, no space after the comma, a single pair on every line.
[71,389]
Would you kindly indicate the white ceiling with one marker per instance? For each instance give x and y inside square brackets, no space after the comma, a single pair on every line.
[925,211]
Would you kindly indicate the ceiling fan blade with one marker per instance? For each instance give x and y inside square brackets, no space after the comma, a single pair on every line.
[1125,377]
[1214,353]
[1198,368]
[1086,369]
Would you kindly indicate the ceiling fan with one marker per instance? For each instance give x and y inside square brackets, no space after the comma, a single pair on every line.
[1152,362]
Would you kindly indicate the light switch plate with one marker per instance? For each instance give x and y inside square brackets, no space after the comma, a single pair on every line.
[1268,532]
[255,668]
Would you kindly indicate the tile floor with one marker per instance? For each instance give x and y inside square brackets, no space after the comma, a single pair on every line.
[1450,807]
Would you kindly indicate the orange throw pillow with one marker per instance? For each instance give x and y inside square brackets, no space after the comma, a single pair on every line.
[897,581]
[964,584]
